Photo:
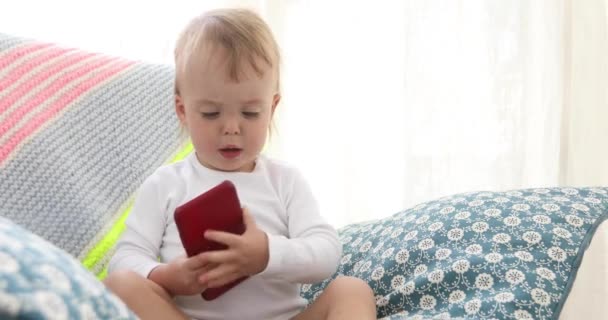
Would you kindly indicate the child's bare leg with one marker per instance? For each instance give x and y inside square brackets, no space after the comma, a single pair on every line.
[344,298]
[144,297]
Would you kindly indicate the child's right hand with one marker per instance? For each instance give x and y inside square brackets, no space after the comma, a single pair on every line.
[181,276]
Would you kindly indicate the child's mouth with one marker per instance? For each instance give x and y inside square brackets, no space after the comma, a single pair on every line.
[230,153]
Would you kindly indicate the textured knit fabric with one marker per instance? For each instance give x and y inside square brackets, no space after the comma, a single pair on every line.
[303,248]
[78,133]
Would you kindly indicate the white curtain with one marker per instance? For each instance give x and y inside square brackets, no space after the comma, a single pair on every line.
[390,103]
[585,120]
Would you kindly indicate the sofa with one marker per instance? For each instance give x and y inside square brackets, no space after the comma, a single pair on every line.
[79,131]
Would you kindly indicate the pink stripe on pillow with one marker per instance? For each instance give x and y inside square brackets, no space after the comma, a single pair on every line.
[9,57]
[30,64]
[48,92]
[39,77]
[35,123]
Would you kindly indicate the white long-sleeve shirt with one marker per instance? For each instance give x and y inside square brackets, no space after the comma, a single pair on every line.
[303,247]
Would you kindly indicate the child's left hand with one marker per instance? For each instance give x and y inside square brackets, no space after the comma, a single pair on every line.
[247,254]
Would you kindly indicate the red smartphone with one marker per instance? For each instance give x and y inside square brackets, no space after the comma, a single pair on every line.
[217,209]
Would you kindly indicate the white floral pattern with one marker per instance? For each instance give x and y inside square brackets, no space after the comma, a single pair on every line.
[398,282]
[402,256]
[540,296]
[531,237]
[40,281]
[436,276]
[474,249]
[461,266]
[428,302]
[514,276]
[545,273]
[455,234]
[512,221]
[524,256]
[504,297]
[484,281]
[493,257]
[523,315]
[442,254]
[485,255]
[480,227]
[457,296]
[426,244]
[472,306]
[462,215]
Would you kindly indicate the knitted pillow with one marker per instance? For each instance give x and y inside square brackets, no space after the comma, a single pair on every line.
[79,132]
[40,281]
[478,255]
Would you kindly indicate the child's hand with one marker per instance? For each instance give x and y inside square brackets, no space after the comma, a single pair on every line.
[181,276]
[247,254]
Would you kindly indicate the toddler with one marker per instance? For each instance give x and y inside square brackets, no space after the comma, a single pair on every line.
[226,92]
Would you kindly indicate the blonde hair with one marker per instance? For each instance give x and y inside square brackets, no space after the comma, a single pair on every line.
[244,36]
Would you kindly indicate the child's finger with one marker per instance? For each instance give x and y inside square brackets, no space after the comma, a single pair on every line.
[205,268]
[196,262]
[217,257]
[225,280]
[208,267]
[227,238]
[217,274]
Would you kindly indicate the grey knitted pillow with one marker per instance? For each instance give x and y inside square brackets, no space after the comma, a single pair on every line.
[78,134]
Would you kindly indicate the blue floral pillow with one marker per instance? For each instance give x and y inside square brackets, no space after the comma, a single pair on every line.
[40,281]
[490,255]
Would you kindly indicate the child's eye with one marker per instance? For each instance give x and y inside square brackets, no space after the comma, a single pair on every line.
[251,114]
[210,115]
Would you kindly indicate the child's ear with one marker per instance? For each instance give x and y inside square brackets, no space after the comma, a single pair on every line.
[180,109]
[275,102]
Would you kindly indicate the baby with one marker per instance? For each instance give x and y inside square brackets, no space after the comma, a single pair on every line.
[226,93]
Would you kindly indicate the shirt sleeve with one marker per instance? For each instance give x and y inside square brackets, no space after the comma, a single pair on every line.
[312,250]
[139,246]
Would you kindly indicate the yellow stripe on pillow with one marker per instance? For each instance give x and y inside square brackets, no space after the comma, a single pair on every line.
[96,256]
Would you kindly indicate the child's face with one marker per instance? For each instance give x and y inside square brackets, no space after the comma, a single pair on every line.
[227,121]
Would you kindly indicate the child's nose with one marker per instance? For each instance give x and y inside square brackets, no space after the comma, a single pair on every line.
[231,127]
